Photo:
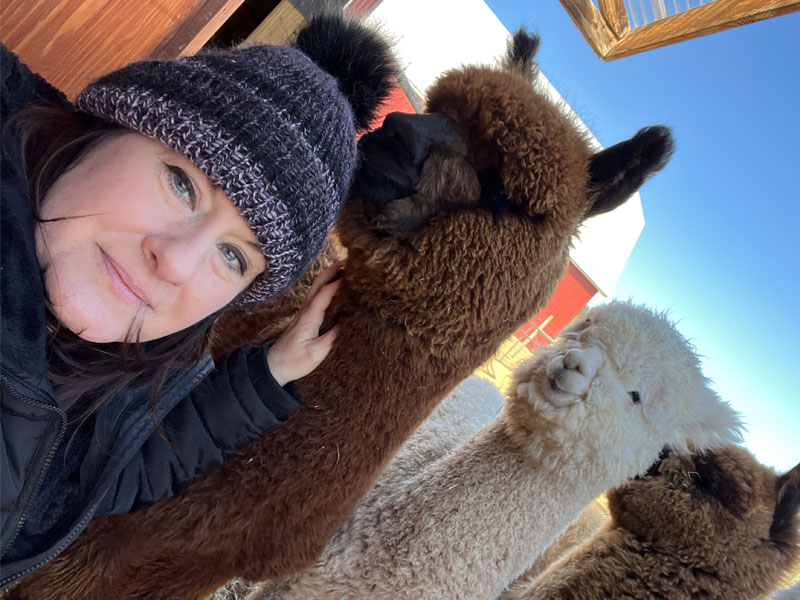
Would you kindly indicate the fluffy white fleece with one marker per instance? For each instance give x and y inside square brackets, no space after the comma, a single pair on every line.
[584,415]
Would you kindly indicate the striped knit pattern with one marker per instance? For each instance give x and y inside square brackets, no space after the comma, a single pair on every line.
[265,124]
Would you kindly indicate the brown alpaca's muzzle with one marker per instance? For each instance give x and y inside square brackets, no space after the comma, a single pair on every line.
[391,157]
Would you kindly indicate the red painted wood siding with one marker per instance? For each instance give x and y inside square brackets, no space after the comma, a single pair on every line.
[396,102]
[360,8]
[571,295]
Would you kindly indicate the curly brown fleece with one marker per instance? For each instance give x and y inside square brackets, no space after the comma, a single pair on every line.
[419,310]
[717,525]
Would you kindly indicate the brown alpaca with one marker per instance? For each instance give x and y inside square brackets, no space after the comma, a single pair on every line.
[717,525]
[425,299]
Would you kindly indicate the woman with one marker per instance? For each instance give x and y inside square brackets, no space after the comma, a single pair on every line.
[171,192]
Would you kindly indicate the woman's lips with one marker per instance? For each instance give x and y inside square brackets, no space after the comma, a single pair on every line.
[123,284]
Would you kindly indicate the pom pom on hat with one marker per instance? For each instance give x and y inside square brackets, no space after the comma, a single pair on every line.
[272,126]
[363,65]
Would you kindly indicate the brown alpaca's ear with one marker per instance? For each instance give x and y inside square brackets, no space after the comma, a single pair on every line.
[710,480]
[783,531]
[618,171]
[522,49]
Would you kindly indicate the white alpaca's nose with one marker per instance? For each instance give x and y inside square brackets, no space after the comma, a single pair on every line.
[585,361]
[571,373]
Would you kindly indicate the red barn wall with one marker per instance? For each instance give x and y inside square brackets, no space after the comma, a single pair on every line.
[396,102]
[360,8]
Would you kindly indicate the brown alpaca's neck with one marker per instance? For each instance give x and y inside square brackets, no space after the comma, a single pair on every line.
[377,364]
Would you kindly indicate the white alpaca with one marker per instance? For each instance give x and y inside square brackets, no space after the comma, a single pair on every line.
[584,415]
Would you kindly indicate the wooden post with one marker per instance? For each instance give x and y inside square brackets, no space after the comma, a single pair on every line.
[701,20]
[197,28]
[280,25]
[609,34]
[615,16]
[592,25]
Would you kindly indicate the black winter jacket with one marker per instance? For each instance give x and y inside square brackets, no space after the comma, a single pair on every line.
[54,479]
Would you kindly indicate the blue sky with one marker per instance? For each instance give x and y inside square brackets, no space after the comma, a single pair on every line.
[720,245]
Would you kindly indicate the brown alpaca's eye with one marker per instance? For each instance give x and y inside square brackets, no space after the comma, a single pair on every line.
[635,397]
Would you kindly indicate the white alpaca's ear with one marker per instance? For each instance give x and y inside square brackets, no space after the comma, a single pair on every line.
[711,423]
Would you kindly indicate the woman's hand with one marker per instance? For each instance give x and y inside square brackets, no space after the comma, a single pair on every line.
[301,348]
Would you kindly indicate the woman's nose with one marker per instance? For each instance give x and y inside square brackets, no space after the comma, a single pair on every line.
[174,257]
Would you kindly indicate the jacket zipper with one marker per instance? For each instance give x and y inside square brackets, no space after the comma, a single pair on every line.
[67,541]
[45,465]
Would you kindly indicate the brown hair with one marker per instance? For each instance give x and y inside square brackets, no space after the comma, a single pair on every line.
[52,140]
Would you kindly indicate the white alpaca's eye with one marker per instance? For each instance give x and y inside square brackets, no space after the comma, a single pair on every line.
[635,397]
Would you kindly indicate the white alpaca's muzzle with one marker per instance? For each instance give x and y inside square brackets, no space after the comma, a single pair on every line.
[570,373]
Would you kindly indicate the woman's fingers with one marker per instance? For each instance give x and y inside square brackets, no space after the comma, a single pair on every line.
[321,347]
[301,348]
[323,277]
[313,313]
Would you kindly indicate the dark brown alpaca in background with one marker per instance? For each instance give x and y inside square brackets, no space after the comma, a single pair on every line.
[717,525]
[432,284]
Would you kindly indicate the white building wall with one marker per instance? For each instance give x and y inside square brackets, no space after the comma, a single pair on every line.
[433,36]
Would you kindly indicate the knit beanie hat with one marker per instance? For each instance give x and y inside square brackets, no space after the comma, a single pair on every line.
[273,126]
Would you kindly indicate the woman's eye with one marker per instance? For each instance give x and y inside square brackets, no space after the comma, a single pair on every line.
[181,184]
[234,258]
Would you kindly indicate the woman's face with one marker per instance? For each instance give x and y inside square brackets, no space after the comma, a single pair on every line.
[144,238]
